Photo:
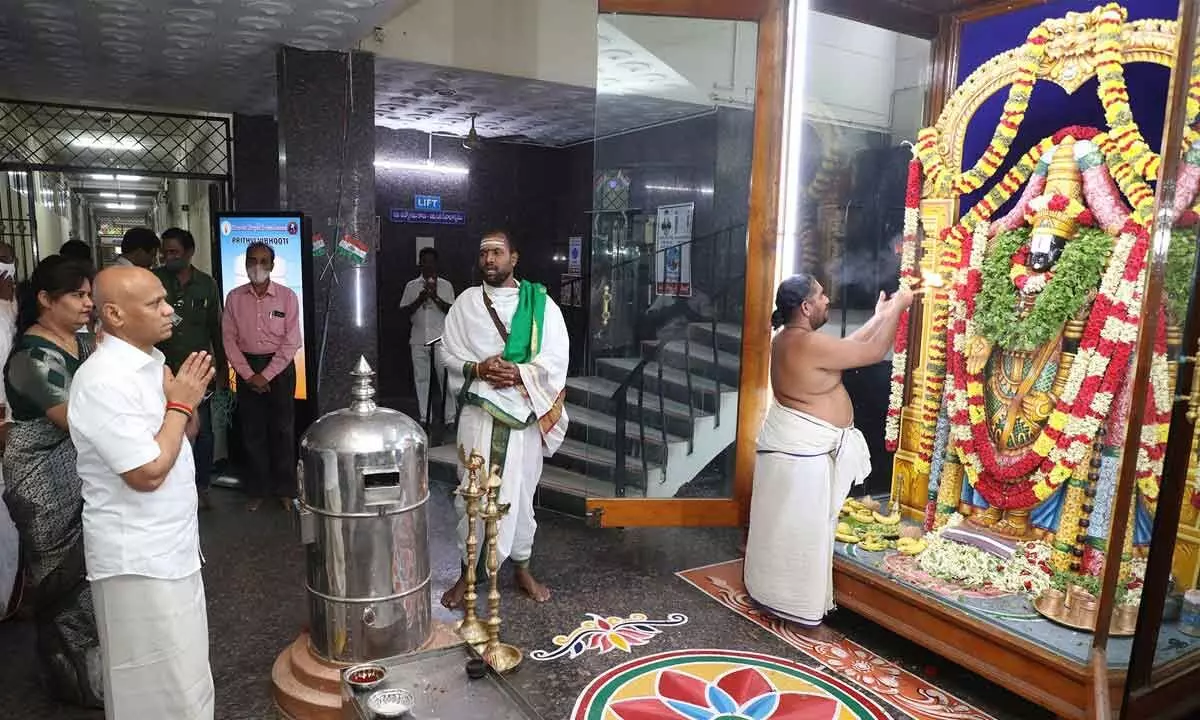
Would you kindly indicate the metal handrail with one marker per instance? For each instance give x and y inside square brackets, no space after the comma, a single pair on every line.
[620,396]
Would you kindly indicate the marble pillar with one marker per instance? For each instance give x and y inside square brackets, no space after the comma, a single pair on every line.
[326,158]
[255,162]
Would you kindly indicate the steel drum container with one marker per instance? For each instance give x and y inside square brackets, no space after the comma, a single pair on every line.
[364,487]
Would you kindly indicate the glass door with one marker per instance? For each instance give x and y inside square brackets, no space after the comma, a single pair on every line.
[679,103]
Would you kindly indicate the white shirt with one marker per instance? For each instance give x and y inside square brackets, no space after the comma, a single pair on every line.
[116,407]
[123,261]
[428,320]
[8,332]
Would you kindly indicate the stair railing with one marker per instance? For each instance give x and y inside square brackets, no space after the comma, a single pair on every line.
[719,243]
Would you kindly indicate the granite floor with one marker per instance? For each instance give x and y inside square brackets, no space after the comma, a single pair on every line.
[254,580]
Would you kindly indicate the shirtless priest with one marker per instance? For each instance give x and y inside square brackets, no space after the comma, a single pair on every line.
[506,351]
[809,452]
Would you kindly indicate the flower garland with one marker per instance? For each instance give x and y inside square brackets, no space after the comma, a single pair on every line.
[1099,366]
[1027,571]
[1132,150]
[952,257]
[1015,107]
[908,278]
[1114,93]
[1005,276]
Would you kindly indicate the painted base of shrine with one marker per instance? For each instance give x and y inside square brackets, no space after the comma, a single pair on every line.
[1045,678]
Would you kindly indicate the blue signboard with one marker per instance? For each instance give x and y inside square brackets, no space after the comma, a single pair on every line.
[427,202]
[422,217]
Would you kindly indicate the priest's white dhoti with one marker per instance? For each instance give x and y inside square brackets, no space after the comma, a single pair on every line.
[802,475]
[513,427]
[154,646]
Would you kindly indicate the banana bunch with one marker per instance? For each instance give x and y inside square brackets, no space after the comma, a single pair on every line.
[874,542]
[846,534]
[911,546]
[893,519]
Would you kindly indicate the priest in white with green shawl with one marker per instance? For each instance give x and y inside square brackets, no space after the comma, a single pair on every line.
[506,351]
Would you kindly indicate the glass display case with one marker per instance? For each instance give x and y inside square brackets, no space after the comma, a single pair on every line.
[1040,527]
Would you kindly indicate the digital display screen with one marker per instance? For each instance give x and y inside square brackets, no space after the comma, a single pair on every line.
[285,236]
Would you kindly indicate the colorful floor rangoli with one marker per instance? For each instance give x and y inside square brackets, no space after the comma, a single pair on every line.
[721,685]
[918,698]
[606,634]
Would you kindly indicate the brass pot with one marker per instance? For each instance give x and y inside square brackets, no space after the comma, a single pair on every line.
[1125,619]
[1052,602]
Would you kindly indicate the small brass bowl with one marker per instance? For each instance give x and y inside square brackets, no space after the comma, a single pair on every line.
[366,676]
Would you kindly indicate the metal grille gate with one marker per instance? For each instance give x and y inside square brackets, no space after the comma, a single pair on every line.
[50,136]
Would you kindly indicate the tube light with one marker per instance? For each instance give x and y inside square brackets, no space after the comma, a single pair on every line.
[100,176]
[421,166]
[123,196]
[120,206]
[681,189]
[106,142]
[795,77]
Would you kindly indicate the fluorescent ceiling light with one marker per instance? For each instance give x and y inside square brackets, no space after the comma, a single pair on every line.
[118,178]
[123,196]
[120,206]
[421,166]
[106,142]
[681,189]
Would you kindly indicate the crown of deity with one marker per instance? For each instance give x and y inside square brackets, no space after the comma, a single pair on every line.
[1055,216]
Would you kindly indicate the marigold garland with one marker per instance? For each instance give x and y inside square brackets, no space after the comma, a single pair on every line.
[1129,146]
[908,278]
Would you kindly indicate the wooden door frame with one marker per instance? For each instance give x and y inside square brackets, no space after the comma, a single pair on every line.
[762,237]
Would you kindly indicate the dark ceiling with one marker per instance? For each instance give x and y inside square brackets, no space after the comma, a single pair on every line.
[912,17]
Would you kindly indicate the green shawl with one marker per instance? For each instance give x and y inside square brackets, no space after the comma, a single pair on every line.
[525,335]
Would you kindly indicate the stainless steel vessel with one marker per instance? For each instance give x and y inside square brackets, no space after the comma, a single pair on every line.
[362,508]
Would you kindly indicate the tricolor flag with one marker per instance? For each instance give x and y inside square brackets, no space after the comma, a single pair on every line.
[353,249]
[318,245]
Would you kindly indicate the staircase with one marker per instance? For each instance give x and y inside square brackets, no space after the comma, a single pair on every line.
[650,420]
[680,413]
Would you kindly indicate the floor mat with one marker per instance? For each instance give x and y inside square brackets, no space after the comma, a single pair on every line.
[904,690]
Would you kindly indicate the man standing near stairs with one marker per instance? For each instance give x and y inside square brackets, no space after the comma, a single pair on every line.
[506,351]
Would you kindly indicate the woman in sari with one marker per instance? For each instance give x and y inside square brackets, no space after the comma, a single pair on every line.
[42,489]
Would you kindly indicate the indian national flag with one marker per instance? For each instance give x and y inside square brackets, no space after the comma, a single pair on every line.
[318,245]
[353,249]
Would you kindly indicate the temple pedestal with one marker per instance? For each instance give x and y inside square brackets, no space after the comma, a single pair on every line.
[306,686]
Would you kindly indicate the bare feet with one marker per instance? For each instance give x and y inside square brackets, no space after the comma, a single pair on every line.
[286,503]
[530,586]
[453,598]
[819,633]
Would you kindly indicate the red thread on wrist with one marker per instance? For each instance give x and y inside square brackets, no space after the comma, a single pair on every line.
[180,407]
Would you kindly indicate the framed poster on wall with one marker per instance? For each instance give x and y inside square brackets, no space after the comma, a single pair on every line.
[673,249]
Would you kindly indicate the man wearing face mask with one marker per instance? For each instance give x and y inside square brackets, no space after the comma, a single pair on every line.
[197,302]
[261,328]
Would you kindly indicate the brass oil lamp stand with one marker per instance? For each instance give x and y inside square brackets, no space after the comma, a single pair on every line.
[472,629]
[501,656]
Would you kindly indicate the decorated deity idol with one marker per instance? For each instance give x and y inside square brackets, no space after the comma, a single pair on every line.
[1039,282]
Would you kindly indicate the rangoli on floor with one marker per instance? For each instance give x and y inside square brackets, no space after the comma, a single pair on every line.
[910,693]
[605,634]
[721,685]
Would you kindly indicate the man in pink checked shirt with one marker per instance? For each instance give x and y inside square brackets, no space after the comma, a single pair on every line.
[261,329]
